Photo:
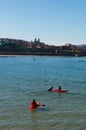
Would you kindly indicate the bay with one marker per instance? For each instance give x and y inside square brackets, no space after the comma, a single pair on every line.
[24,78]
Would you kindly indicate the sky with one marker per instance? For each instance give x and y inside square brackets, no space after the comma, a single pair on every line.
[55,22]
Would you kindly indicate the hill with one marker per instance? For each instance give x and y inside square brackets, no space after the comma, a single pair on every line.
[22,47]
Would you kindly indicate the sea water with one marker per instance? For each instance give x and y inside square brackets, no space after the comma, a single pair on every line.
[24,78]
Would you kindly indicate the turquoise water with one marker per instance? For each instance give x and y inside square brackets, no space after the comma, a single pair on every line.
[23,78]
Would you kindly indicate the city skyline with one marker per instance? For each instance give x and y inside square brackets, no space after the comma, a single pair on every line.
[55,22]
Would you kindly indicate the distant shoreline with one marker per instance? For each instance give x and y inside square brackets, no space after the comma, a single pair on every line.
[14,47]
[65,54]
[13,55]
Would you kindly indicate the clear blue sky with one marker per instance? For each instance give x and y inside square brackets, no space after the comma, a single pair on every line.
[53,21]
